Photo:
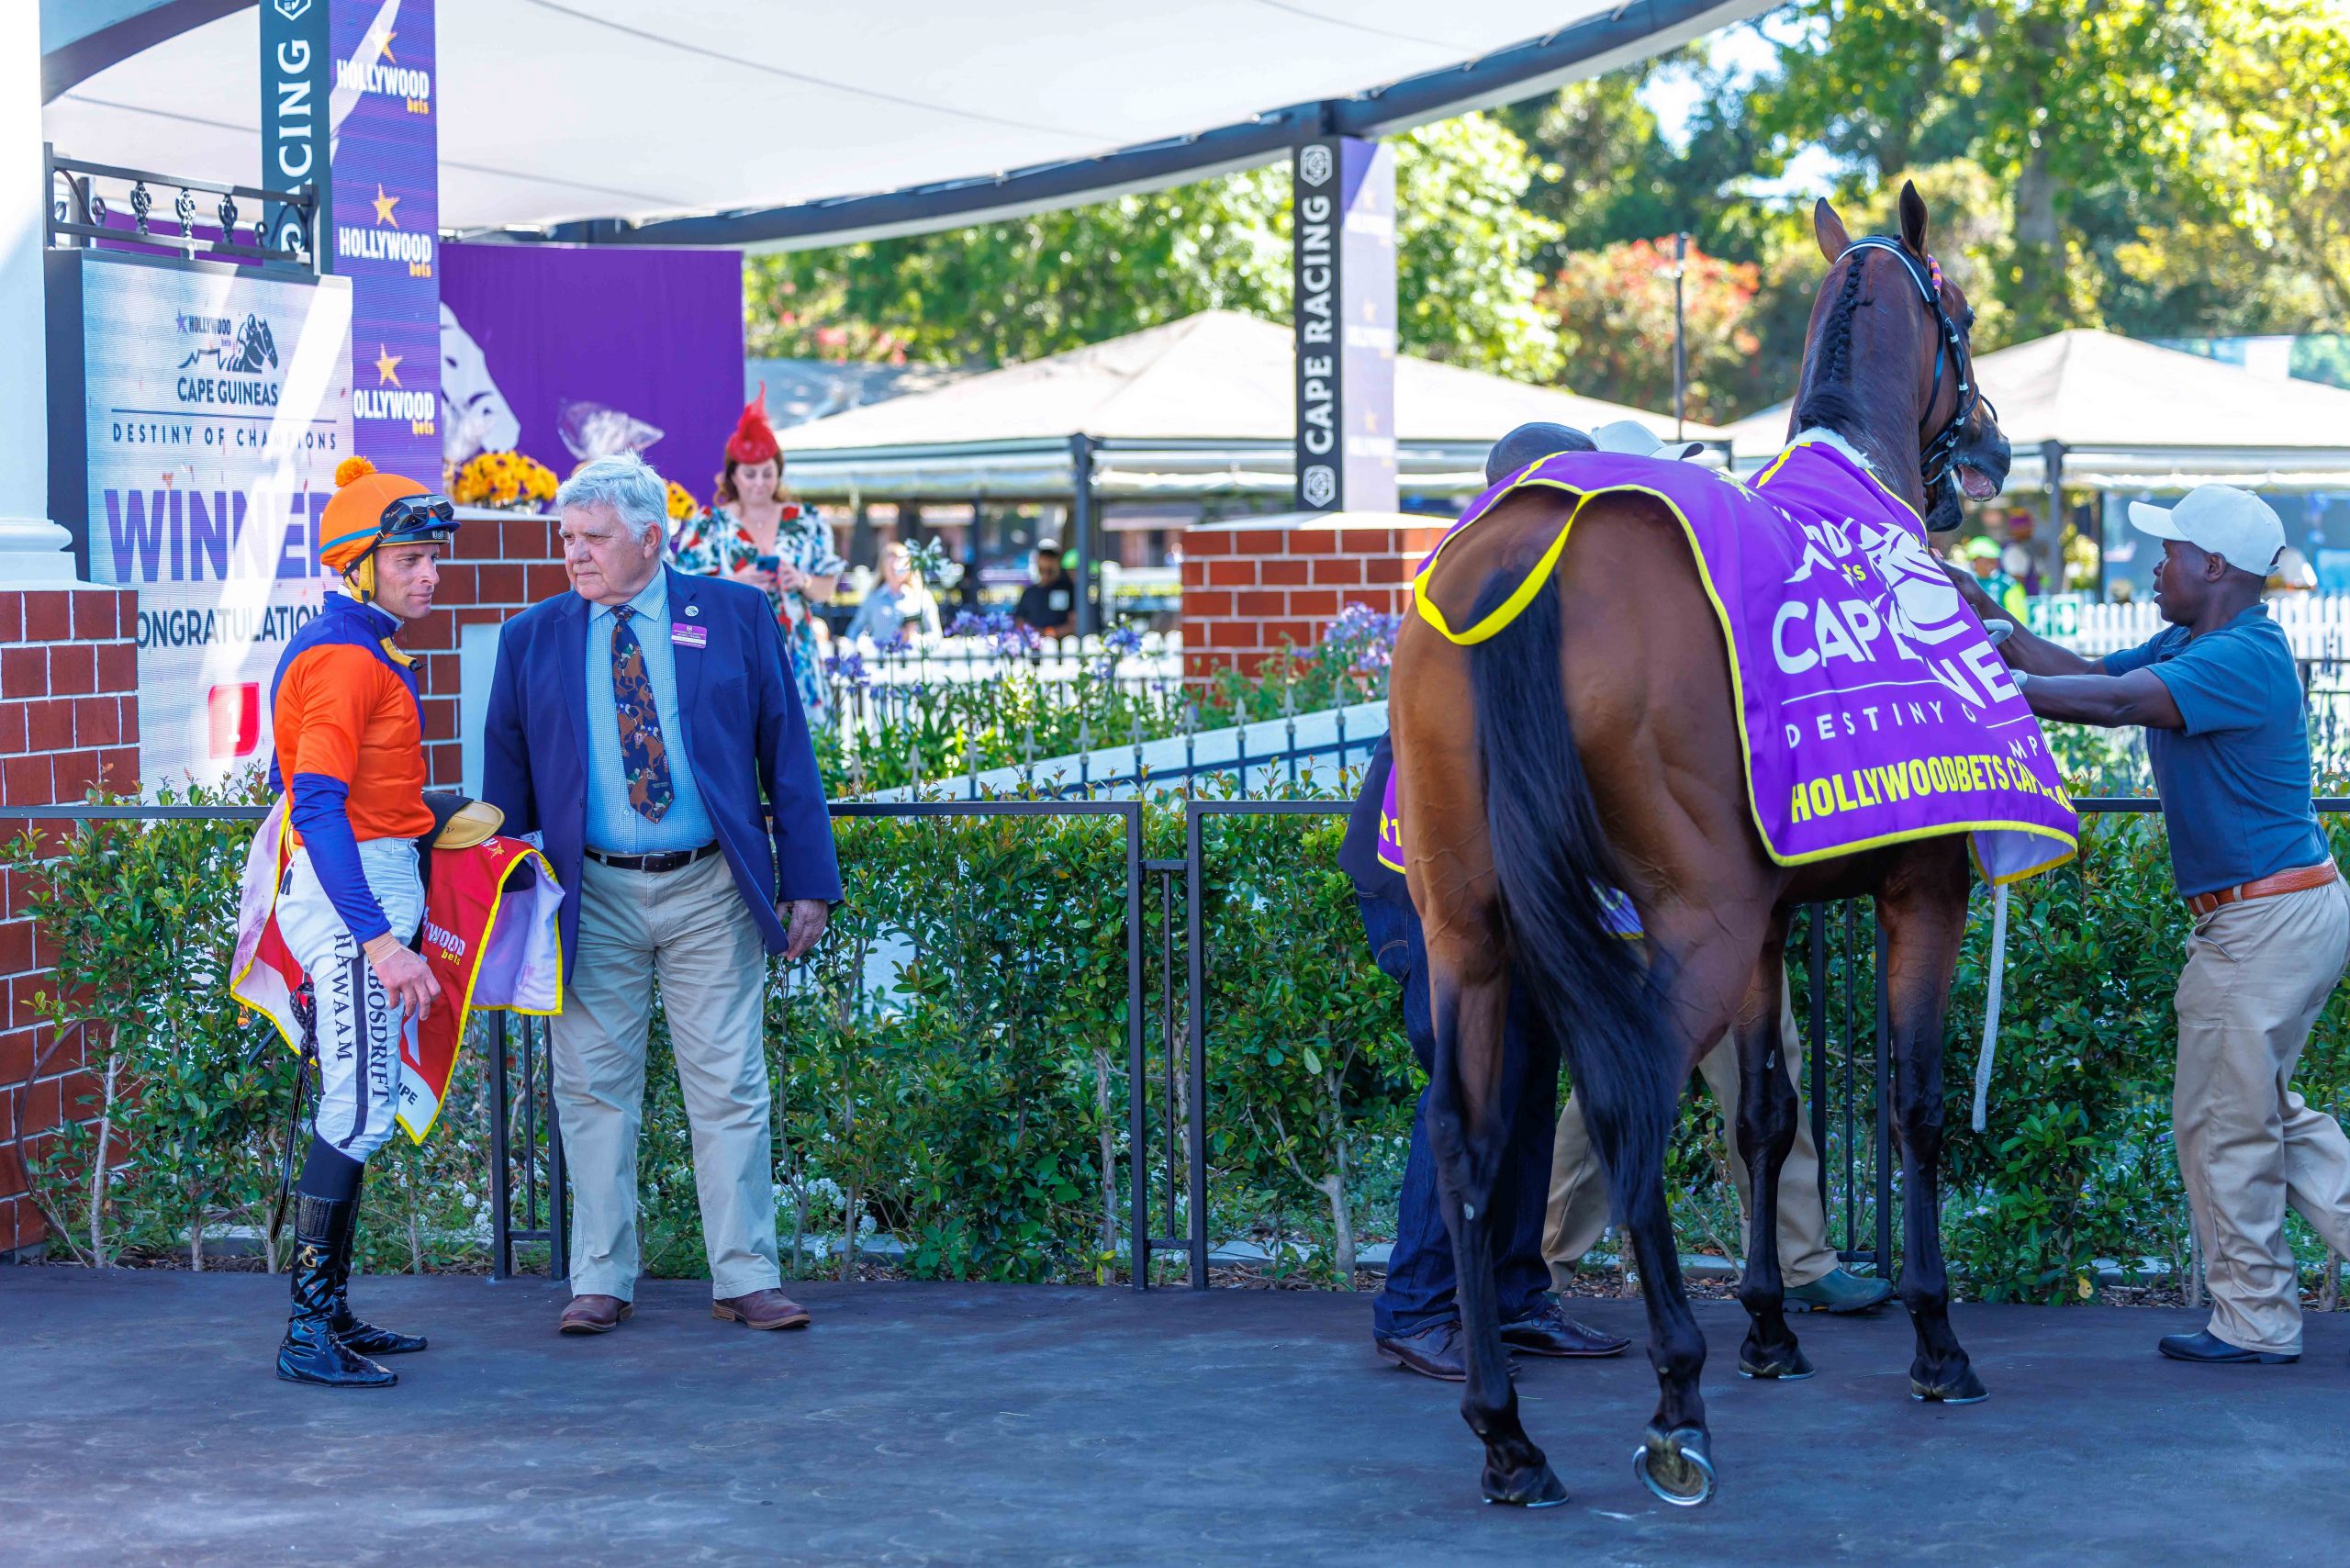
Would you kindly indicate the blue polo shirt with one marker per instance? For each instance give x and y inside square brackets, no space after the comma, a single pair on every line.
[2236,782]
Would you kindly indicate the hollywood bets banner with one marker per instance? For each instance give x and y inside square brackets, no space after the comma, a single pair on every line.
[566,353]
[215,404]
[1872,707]
[385,217]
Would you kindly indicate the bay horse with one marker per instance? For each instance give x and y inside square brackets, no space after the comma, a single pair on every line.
[1592,745]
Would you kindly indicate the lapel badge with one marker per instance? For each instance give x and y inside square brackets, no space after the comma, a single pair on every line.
[693,610]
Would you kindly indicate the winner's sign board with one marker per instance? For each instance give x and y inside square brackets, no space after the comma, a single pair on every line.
[216,402]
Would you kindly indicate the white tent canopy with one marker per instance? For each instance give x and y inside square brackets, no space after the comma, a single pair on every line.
[1197,405]
[2132,416]
[556,111]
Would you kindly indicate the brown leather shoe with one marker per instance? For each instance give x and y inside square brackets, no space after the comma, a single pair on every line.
[594,1314]
[761,1309]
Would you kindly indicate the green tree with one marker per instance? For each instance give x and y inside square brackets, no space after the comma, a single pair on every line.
[1466,268]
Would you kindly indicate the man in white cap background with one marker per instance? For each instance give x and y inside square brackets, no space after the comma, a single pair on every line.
[2228,736]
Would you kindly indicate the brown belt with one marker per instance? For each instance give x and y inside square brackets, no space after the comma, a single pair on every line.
[2297,880]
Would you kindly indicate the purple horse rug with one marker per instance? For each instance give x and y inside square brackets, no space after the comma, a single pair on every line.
[1873,709]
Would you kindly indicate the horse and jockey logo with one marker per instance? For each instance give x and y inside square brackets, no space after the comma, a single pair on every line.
[1314,163]
[250,352]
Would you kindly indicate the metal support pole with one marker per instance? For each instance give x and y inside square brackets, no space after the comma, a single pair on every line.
[1884,1109]
[501,1201]
[2052,568]
[1138,1167]
[1680,336]
[1085,527]
[1196,1112]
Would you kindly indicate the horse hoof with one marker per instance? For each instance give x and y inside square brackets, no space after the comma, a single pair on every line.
[1675,1466]
[1964,1388]
[1536,1487]
[1790,1365]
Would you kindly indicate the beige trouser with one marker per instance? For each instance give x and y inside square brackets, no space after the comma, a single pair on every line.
[2257,973]
[1579,1189]
[689,929]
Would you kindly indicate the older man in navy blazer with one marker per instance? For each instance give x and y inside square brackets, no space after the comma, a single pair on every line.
[646,726]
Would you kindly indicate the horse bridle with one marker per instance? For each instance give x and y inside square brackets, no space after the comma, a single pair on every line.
[1936,455]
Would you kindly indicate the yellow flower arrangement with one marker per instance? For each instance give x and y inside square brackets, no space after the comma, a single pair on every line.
[682,504]
[505,480]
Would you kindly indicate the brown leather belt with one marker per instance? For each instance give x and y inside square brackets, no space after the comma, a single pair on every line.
[2297,880]
[673,860]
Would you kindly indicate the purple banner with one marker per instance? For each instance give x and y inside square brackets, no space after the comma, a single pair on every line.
[563,352]
[387,220]
[1873,709]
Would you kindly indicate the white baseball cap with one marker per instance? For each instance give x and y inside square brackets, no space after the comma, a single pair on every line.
[2219,519]
[1633,439]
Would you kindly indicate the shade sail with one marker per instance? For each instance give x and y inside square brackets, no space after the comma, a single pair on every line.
[1202,406]
[2130,415]
[743,121]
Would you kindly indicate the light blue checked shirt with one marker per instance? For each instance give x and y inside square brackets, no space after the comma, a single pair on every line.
[613,825]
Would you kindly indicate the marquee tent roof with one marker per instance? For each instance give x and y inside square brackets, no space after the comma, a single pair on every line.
[1218,374]
[744,122]
[1196,406]
[2132,416]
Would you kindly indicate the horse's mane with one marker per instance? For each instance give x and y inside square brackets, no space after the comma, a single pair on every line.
[1832,401]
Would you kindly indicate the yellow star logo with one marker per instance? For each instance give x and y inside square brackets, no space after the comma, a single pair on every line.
[387,366]
[382,205]
[383,50]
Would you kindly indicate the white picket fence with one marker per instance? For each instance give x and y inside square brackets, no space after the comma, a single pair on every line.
[2318,626]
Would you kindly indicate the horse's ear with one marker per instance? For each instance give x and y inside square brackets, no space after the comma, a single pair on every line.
[1913,218]
[1828,229]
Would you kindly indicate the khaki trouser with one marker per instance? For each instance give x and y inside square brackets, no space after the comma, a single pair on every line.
[1579,1189]
[689,929]
[2256,975]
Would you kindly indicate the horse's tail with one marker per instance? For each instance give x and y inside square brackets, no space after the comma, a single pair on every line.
[1588,985]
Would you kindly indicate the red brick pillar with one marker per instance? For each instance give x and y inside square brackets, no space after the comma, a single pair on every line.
[496,568]
[1248,588]
[69,720]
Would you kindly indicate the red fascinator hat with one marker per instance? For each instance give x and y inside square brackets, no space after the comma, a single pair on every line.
[754,439]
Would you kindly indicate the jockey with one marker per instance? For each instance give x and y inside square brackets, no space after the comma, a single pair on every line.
[350,754]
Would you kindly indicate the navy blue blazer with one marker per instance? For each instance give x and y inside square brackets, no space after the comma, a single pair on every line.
[746,738]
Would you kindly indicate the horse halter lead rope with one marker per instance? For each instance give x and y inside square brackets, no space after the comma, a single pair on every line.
[1936,455]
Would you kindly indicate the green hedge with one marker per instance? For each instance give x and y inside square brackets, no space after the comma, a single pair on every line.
[951,1070]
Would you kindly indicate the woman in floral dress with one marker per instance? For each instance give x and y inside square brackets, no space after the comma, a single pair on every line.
[751,521]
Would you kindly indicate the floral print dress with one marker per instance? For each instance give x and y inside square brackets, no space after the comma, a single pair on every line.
[717,544]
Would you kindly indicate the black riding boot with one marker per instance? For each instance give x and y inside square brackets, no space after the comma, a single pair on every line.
[310,1352]
[364,1338]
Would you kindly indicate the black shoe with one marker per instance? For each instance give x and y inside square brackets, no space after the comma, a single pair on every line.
[1436,1352]
[1548,1331]
[2207,1347]
[310,1352]
[357,1335]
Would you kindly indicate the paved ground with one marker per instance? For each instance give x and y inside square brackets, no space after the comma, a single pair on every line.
[949,1424]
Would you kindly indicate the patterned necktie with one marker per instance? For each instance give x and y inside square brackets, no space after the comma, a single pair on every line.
[645,757]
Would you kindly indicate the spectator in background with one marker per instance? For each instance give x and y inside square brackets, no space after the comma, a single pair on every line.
[900,605]
[1048,605]
[1982,557]
[753,535]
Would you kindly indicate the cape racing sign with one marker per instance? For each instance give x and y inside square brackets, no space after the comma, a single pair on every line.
[1342,227]
[216,402]
[297,86]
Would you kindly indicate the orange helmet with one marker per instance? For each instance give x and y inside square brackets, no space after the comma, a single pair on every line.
[369,510]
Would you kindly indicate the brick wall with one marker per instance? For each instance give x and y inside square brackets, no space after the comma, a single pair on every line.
[69,718]
[495,568]
[1247,588]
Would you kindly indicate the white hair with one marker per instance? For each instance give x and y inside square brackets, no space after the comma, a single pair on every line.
[627,484]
